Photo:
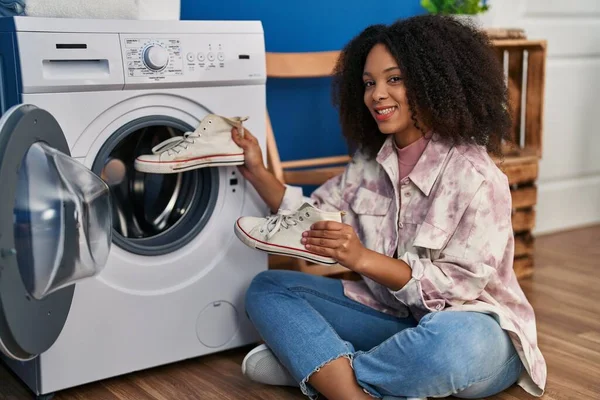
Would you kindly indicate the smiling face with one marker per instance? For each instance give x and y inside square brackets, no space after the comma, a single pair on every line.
[385,96]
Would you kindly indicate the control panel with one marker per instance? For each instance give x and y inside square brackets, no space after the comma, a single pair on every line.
[153,57]
[65,62]
[193,59]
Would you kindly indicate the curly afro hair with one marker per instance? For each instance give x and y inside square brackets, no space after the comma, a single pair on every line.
[454,83]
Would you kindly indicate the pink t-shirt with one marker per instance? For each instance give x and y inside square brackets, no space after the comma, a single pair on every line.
[409,155]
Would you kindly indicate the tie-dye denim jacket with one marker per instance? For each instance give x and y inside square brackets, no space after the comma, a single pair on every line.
[450,221]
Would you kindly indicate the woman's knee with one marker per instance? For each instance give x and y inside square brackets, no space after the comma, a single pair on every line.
[474,333]
[469,341]
[267,280]
[262,284]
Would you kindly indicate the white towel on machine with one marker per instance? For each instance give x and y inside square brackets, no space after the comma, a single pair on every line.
[159,9]
[102,9]
[97,9]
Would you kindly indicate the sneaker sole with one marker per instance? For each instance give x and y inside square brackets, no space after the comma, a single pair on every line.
[280,250]
[255,350]
[175,167]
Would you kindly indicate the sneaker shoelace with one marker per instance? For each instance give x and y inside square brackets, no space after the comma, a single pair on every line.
[283,219]
[176,144]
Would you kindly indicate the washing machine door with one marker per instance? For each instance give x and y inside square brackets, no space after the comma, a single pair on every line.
[55,227]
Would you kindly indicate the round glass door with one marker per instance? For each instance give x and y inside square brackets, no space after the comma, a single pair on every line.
[154,214]
[62,221]
[55,230]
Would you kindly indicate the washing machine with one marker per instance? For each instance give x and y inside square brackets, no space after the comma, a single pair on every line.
[105,270]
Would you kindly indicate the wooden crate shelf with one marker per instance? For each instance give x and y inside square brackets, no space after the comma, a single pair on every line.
[523,267]
[524,244]
[524,196]
[524,62]
[523,220]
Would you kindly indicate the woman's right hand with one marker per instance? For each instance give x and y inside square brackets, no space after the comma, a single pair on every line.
[253,164]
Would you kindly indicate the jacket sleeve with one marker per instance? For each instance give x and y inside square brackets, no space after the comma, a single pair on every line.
[479,246]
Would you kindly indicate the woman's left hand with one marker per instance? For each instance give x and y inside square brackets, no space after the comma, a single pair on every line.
[336,240]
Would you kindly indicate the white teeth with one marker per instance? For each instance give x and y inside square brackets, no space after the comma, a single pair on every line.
[385,110]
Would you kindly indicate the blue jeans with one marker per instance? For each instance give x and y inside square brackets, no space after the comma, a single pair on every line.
[307,321]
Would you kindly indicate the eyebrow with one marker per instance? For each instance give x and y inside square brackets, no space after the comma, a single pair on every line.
[385,70]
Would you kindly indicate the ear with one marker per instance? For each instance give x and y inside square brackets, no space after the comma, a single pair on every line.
[237,122]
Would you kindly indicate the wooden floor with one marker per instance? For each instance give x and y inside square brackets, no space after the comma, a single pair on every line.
[565,291]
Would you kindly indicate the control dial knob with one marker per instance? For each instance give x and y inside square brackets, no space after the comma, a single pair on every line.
[156,57]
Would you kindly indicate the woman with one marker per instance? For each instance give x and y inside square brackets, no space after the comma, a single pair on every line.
[427,225]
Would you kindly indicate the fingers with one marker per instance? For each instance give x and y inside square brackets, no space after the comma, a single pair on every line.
[327,226]
[237,139]
[321,242]
[248,137]
[322,234]
[246,142]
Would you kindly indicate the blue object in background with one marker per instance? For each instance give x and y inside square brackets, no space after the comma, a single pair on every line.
[303,117]
[11,8]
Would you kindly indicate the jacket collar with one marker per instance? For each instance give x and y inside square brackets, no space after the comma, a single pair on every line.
[429,166]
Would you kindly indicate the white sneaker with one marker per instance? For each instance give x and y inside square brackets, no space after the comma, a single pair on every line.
[261,365]
[281,233]
[210,145]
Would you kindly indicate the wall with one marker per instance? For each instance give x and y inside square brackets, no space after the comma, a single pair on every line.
[303,118]
[569,184]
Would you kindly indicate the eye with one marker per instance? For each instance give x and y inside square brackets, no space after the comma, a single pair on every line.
[368,83]
[395,79]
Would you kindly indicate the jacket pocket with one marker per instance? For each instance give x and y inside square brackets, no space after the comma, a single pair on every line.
[371,219]
[430,237]
[367,202]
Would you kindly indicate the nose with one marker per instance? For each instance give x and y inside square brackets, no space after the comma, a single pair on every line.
[379,92]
